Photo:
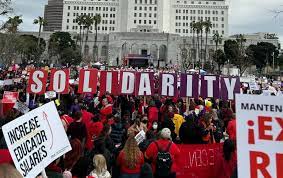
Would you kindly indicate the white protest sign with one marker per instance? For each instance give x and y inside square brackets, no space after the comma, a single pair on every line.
[8,82]
[253,86]
[22,107]
[259,136]
[36,139]
[140,137]
[50,94]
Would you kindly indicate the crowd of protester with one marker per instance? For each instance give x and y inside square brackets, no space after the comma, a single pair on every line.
[102,131]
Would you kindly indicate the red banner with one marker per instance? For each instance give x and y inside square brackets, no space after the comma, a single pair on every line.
[198,161]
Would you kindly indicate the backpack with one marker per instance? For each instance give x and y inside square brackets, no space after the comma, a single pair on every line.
[163,161]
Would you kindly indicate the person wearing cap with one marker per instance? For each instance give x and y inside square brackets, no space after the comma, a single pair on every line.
[163,143]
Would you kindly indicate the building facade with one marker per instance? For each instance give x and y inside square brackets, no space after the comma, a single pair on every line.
[53,14]
[147,16]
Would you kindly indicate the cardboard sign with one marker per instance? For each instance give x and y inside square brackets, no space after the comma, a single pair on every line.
[36,139]
[259,136]
[50,95]
[10,97]
[22,107]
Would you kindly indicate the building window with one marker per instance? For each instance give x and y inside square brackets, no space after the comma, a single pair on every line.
[67,27]
[69,7]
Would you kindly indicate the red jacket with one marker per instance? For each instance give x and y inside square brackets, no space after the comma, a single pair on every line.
[94,130]
[104,112]
[231,129]
[152,114]
[152,150]
[86,117]
[224,169]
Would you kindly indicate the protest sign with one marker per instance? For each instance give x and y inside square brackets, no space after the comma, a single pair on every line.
[199,161]
[138,83]
[253,86]
[10,97]
[50,95]
[36,139]
[8,82]
[22,107]
[259,136]
[140,137]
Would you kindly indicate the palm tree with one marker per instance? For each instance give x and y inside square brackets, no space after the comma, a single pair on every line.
[81,22]
[207,27]
[198,26]
[97,21]
[88,24]
[201,25]
[241,40]
[42,22]
[13,23]
[217,39]
[193,28]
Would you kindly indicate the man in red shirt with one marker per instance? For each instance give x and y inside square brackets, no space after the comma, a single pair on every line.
[161,145]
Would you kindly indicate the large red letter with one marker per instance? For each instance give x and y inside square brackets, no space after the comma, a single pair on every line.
[37,81]
[255,165]
[88,81]
[279,165]
[59,80]
[109,82]
[262,127]
[280,122]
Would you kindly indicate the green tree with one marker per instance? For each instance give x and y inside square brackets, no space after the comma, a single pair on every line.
[263,54]
[97,21]
[41,22]
[70,57]
[220,59]
[60,44]
[207,27]
[13,23]
[88,23]
[217,40]
[28,48]
[81,22]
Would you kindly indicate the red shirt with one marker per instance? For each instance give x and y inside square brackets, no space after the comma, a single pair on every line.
[86,117]
[225,169]
[123,167]
[152,114]
[94,129]
[68,120]
[104,112]
[231,129]
[152,150]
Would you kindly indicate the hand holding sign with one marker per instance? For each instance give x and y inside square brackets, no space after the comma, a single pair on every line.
[34,140]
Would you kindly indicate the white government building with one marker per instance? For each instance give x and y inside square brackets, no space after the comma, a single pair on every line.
[153,31]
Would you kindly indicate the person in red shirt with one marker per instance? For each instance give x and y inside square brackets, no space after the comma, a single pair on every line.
[226,163]
[231,129]
[105,110]
[94,130]
[86,116]
[130,159]
[152,112]
[163,143]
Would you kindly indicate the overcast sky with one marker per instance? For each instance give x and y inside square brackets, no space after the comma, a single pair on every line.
[245,16]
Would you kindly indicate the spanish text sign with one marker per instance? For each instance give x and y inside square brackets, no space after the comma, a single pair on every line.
[259,136]
[36,139]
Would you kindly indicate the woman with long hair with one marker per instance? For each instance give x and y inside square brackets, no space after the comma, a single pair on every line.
[100,167]
[130,159]
[227,163]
